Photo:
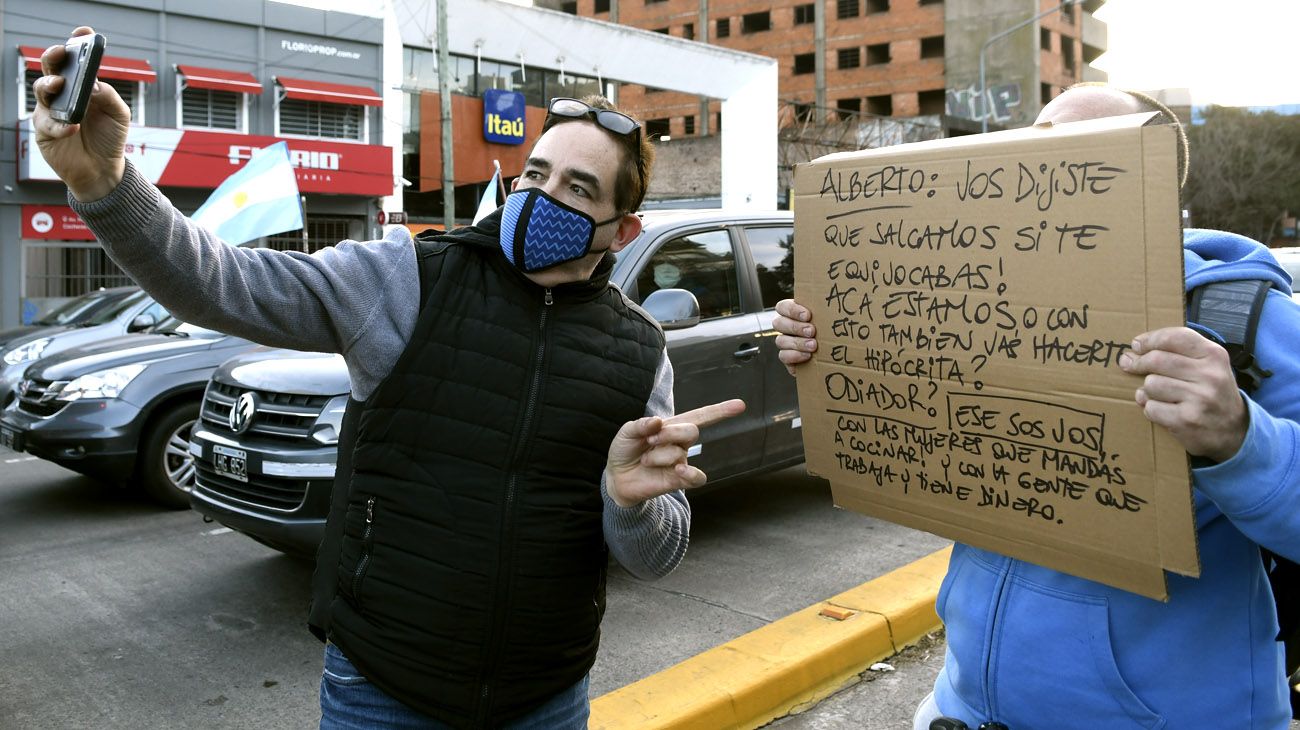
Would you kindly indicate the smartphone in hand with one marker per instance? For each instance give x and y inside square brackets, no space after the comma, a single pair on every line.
[80,66]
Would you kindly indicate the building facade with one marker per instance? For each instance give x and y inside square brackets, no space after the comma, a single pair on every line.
[208,85]
[863,60]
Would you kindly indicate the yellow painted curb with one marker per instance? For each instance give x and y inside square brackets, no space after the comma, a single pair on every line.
[799,659]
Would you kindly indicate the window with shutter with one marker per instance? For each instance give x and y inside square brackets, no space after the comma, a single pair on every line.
[212,109]
[321,119]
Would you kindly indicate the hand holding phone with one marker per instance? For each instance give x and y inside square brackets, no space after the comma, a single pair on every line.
[81,59]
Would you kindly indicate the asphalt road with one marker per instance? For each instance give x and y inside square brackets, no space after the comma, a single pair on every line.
[116,614]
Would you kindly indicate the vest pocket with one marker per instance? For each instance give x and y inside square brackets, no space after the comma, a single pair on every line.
[357,552]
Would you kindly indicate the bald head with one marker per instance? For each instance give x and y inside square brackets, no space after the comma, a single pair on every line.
[1089,102]
[1094,101]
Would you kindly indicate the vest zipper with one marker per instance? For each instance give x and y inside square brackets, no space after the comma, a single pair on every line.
[366,538]
[508,517]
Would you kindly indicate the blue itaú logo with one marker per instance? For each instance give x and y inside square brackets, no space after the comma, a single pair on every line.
[503,116]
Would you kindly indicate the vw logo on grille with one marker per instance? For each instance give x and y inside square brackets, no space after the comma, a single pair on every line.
[241,413]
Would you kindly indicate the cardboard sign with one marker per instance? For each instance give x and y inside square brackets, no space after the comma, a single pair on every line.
[972,297]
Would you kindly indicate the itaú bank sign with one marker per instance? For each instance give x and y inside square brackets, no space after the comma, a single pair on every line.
[189,158]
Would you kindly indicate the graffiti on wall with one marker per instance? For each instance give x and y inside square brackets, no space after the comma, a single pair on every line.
[995,104]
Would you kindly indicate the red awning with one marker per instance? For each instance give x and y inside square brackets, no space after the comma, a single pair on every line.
[197,77]
[333,93]
[110,67]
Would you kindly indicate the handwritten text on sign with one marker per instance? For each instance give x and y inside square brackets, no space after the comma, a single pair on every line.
[927,287]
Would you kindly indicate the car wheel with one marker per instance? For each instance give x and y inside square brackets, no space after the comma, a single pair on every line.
[166,468]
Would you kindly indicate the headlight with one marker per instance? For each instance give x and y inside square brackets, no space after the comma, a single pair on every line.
[327,426]
[26,352]
[103,384]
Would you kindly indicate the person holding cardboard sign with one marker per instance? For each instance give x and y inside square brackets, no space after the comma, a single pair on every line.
[1030,647]
[510,423]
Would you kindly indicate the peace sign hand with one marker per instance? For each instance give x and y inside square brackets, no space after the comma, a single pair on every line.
[648,456]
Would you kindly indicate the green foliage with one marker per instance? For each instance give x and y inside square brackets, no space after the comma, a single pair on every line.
[1244,171]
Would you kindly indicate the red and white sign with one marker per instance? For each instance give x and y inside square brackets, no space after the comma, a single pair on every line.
[54,223]
[190,158]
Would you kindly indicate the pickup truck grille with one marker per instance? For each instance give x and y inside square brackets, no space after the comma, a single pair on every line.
[279,416]
[38,397]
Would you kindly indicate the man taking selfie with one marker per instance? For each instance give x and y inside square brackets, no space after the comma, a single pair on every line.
[510,424]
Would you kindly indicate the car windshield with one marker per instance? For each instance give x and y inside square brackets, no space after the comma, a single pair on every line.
[82,308]
[113,311]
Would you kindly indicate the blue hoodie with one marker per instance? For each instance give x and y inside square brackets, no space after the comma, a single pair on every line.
[1034,648]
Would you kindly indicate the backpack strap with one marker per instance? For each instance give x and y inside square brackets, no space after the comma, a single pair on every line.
[1232,310]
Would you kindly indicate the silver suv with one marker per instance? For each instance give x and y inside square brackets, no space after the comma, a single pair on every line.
[265,441]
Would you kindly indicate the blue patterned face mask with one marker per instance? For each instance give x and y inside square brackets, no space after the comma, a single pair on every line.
[538,231]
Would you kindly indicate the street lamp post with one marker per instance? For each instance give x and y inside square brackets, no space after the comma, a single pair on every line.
[984,112]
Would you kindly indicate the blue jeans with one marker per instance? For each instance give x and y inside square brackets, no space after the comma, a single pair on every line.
[348,701]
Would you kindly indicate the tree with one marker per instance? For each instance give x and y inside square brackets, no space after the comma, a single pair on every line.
[1244,171]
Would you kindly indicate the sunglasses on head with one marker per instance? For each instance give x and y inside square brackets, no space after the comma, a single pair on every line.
[616,122]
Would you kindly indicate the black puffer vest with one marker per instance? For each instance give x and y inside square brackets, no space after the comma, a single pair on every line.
[463,567]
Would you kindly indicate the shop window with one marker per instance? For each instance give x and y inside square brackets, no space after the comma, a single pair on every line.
[805,63]
[877,54]
[846,9]
[805,14]
[849,57]
[29,96]
[321,232]
[212,109]
[932,47]
[321,119]
[881,106]
[724,28]
[756,22]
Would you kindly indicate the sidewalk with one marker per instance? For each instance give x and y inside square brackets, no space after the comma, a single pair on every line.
[788,664]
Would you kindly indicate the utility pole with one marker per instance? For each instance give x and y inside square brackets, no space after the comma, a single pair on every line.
[444,99]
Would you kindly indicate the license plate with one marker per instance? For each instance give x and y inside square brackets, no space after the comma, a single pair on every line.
[232,463]
[11,439]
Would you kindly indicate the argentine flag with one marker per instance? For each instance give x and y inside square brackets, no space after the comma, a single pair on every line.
[259,200]
[489,203]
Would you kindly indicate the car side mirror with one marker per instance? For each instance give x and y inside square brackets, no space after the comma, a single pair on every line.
[674,309]
[142,322]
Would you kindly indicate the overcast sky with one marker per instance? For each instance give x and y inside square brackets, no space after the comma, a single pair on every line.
[1233,52]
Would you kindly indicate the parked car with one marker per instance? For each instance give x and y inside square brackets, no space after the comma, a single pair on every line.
[135,312]
[121,409]
[70,313]
[266,442]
